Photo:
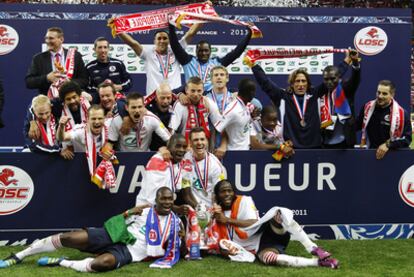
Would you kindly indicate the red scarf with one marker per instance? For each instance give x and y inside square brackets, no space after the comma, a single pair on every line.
[69,69]
[396,120]
[48,135]
[218,231]
[197,119]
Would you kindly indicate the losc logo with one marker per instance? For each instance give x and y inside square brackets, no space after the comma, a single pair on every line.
[406,186]
[370,40]
[16,189]
[9,39]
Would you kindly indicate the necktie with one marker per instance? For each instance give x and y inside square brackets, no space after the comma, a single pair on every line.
[58,65]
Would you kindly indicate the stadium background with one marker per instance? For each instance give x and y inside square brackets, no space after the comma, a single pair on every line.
[390,219]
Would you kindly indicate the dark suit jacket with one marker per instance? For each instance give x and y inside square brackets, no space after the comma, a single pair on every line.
[42,65]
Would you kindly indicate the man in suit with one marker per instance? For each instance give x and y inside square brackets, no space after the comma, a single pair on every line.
[46,67]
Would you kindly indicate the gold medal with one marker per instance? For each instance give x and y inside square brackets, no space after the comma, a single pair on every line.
[302,123]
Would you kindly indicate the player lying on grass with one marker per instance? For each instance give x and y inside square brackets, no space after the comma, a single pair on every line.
[133,236]
[236,220]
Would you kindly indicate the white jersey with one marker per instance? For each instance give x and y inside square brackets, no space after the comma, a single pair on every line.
[136,226]
[161,67]
[159,173]
[179,116]
[140,139]
[202,178]
[236,122]
[246,210]
[78,137]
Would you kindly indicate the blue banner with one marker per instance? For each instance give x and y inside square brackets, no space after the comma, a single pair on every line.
[336,194]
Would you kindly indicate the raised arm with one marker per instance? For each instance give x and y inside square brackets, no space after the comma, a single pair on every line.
[180,54]
[236,52]
[131,42]
[271,89]
[188,37]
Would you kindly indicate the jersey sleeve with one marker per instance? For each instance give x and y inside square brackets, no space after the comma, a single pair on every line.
[214,113]
[226,119]
[160,129]
[176,117]
[113,133]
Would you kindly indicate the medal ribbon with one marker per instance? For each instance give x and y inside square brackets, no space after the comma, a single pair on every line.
[200,72]
[223,100]
[203,181]
[301,111]
[164,66]
[174,179]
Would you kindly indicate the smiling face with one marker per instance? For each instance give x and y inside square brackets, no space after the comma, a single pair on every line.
[178,149]
[161,42]
[198,142]
[102,50]
[136,109]
[53,41]
[43,112]
[164,98]
[269,121]
[107,97]
[384,96]
[164,201]
[226,195]
[72,100]
[96,121]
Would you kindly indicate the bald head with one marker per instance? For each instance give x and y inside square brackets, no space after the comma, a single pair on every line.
[164,97]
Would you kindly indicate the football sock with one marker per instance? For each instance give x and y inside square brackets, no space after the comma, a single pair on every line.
[293,261]
[48,244]
[81,266]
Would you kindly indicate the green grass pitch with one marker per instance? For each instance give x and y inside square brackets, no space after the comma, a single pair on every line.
[358,258]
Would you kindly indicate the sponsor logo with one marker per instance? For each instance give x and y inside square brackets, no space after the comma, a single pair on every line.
[314,63]
[269,69]
[16,189]
[132,68]
[152,235]
[235,69]
[119,55]
[267,63]
[131,62]
[112,68]
[324,56]
[302,63]
[370,40]
[9,39]
[132,55]
[280,63]
[214,49]
[141,61]
[406,186]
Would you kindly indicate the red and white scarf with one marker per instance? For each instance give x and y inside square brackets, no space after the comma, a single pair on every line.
[254,55]
[48,134]
[396,120]
[155,19]
[84,106]
[197,118]
[102,175]
[69,70]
